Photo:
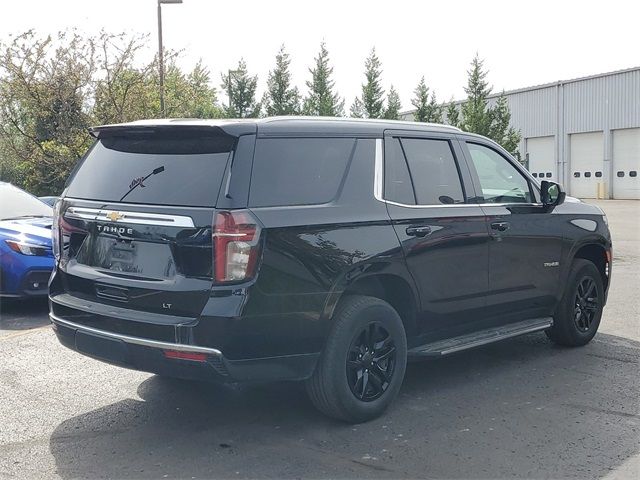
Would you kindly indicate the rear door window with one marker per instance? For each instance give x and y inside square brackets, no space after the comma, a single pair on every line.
[298,171]
[433,169]
[397,181]
[172,168]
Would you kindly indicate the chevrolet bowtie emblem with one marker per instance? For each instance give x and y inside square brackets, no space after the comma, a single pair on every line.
[114,216]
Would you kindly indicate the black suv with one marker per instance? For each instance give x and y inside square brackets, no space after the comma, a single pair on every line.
[322,250]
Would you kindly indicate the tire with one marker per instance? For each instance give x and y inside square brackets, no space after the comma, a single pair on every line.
[577,319]
[349,380]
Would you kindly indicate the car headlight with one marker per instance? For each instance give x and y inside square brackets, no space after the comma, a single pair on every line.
[27,248]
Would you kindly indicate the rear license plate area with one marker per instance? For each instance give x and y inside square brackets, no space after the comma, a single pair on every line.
[133,257]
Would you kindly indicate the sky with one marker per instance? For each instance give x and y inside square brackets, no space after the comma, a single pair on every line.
[523,43]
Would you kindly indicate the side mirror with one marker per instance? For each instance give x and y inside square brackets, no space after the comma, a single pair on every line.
[552,194]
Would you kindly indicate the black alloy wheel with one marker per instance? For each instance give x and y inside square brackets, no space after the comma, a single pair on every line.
[586,304]
[371,362]
[578,313]
[361,368]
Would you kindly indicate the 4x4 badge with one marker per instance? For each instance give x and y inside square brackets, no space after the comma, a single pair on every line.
[114,216]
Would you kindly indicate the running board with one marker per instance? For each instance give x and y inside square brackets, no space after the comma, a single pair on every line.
[483,337]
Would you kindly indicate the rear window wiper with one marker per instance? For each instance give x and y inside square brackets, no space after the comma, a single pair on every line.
[137,182]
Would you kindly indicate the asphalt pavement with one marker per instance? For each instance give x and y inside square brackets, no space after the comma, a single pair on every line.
[522,408]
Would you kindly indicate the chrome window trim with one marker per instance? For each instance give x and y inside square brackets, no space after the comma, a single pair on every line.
[136,340]
[139,218]
[379,184]
[378,173]
[489,204]
[453,205]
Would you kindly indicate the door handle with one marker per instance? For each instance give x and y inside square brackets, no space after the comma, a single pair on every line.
[422,231]
[500,226]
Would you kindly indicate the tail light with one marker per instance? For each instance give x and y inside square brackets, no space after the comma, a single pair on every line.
[236,246]
[56,237]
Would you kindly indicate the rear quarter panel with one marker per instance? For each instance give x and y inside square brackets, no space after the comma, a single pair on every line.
[311,254]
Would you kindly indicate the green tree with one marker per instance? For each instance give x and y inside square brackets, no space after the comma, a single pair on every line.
[126,91]
[281,98]
[392,112]
[435,109]
[453,114]
[500,130]
[356,110]
[479,117]
[372,98]
[321,99]
[52,89]
[44,84]
[475,113]
[427,108]
[190,95]
[241,91]
[129,90]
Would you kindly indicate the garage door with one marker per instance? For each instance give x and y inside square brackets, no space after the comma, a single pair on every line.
[587,153]
[542,158]
[626,163]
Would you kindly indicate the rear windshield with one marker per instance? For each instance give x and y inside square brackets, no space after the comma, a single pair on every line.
[172,168]
[298,171]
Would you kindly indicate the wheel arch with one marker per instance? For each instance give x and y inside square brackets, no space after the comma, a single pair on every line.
[596,253]
[393,289]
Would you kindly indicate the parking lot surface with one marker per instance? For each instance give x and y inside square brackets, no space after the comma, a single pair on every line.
[518,409]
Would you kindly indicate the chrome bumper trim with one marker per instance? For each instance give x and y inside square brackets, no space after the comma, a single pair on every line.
[136,340]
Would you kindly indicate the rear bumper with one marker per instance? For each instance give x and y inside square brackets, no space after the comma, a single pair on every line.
[149,355]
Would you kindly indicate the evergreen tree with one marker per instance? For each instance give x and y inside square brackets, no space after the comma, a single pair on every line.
[500,131]
[427,109]
[392,112]
[281,98]
[475,114]
[453,114]
[435,110]
[241,92]
[421,101]
[322,100]
[356,110]
[478,117]
[372,93]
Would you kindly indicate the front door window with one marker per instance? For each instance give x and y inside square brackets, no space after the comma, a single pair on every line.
[500,181]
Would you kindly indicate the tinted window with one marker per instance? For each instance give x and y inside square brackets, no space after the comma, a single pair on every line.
[397,182]
[298,171]
[433,170]
[171,169]
[500,181]
[16,203]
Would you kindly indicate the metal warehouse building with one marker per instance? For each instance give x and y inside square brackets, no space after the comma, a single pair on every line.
[583,133]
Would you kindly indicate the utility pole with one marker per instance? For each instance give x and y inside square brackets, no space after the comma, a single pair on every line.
[160,52]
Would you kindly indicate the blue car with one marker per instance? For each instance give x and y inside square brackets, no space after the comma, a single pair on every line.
[26,256]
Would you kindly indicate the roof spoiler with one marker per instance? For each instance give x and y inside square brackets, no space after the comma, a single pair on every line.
[134,128]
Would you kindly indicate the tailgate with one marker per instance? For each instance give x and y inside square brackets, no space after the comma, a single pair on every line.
[136,220]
